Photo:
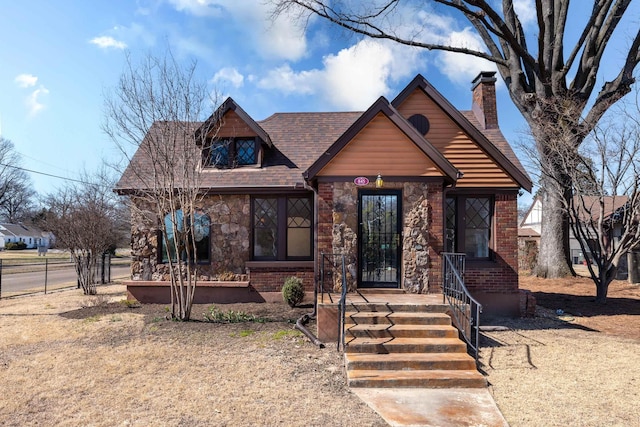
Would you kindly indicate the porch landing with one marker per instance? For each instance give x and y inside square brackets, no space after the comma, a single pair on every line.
[383,296]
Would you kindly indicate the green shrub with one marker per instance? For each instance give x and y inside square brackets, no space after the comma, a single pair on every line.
[15,246]
[293,291]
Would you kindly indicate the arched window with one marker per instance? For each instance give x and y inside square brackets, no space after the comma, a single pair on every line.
[197,232]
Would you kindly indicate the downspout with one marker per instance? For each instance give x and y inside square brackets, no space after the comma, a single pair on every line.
[302,321]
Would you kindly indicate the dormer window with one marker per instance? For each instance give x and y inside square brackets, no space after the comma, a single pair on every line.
[232,152]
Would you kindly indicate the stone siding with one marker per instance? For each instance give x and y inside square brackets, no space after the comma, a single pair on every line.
[230,233]
[230,247]
[421,220]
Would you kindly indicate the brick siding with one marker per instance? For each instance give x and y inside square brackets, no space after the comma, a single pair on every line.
[500,275]
[265,279]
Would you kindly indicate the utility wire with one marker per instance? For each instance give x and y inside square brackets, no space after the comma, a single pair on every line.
[49,174]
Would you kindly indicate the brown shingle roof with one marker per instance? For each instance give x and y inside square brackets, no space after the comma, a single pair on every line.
[527,232]
[299,139]
[588,207]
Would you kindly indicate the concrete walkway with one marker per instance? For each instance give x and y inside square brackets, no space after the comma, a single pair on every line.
[433,407]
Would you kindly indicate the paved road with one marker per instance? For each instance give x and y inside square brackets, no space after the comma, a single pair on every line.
[56,278]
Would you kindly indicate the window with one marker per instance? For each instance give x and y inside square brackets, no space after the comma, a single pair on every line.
[233,152]
[282,228]
[198,235]
[468,226]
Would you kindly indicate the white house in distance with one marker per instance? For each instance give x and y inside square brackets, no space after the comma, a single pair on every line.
[31,236]
[531,227]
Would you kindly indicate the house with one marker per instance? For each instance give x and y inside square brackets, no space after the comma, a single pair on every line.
[391,188]
[588,209]
[32,237]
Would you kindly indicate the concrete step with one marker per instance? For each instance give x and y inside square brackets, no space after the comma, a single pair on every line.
[396,318]
[422,378]
[405,345]
[381,291]
[401,331]
[397,307]
[410,361]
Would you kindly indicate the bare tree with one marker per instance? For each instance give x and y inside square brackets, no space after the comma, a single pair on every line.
[602,207]
[16,191]
[545,73]
[156,109]
[18,203]
[606,222]
[86,220]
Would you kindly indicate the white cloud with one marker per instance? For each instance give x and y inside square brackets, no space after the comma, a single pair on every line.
[26,80]
[351,79]
[197,7]
[228,74]
[462,68]
[285,80]
[282,38]
[33,101]
[106,42]
[357,76]
[279,38]
[526,11]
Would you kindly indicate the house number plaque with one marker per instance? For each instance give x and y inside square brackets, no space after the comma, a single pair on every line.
[361,180]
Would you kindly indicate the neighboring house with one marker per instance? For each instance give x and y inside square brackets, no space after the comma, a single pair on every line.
[31,236]
[531,226]
[298,185]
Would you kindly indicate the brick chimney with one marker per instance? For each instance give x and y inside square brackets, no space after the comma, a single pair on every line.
[484,99]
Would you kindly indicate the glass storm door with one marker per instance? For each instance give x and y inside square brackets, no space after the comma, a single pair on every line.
[379,239]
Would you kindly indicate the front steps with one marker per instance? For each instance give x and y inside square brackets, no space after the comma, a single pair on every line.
[406,345]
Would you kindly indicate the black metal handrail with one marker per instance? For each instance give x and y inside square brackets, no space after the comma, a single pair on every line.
[328,273]
[466,310]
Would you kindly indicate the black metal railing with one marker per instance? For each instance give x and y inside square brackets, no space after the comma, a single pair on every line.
[466,310]
[330,265]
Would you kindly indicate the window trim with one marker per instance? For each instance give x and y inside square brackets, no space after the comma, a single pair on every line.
[461,224]
[232,162]
[282,228]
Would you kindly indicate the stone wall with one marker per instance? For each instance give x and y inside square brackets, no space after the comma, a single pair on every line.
[230,233]
[421,218]
[416,236]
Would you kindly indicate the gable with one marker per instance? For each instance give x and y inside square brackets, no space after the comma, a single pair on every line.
[230,121]
[232,126]
[380,147]
[479,169]
[533,217]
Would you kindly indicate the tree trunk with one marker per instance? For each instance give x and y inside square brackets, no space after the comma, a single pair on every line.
[602,289]
[553,255]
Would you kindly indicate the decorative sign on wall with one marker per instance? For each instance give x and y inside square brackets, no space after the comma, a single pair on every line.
[361,180]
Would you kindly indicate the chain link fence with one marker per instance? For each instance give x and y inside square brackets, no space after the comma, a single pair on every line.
[21,276]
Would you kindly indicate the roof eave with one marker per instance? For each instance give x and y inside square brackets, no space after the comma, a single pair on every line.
[419,82]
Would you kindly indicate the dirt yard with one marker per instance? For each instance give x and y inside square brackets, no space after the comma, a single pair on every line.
[111,365]
[575,367]
[66,359]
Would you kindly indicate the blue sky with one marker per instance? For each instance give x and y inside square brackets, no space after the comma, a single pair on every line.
[57,58]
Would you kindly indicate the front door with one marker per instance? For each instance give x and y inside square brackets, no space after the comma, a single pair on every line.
[379,242]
